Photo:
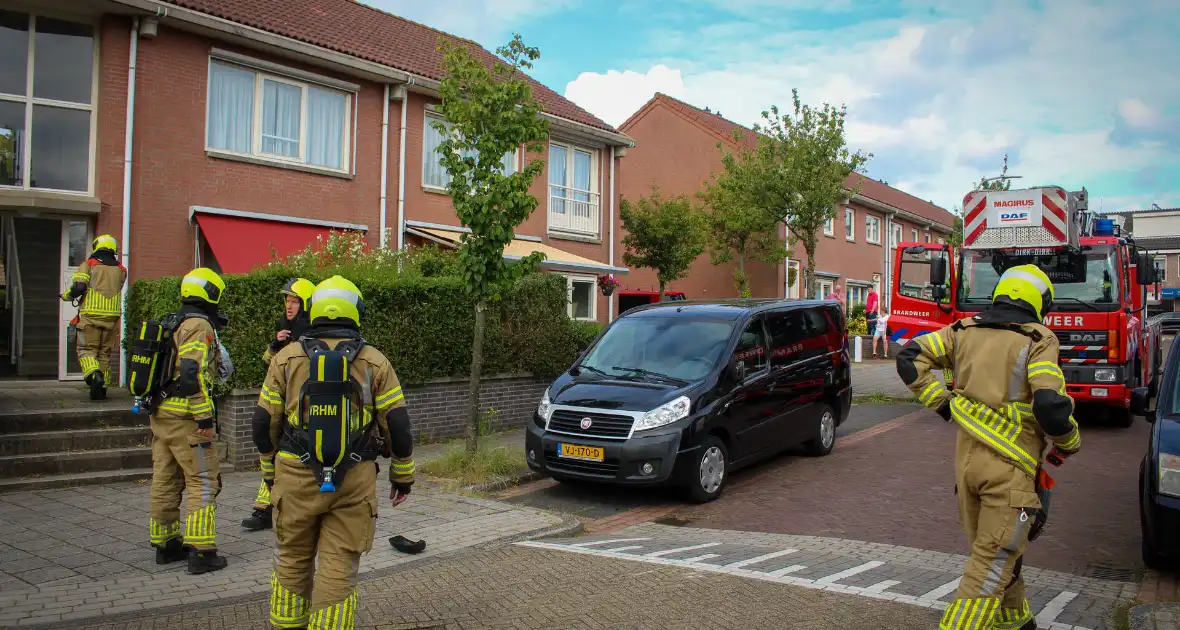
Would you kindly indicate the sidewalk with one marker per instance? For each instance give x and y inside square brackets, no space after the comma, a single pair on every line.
[79,553]
[879,377]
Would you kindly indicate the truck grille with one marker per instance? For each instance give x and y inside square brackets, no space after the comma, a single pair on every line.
[1083,344]
[602,425]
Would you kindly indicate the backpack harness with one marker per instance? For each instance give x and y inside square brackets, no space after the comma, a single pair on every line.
[153,360]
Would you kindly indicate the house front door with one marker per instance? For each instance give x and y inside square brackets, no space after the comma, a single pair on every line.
[75,248]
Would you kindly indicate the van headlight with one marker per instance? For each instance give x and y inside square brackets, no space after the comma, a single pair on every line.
[1105,375]
[1170,474]
[545,408]
[666,413]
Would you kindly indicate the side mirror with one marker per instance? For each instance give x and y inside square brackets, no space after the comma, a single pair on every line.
[1145,270]
[736,370]
[938,271]
[1140,402]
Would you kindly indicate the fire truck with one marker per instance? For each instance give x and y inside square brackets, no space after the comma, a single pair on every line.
[1109,345]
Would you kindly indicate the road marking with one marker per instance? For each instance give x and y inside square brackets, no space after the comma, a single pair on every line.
[766,556]
[781,576]
[666,552]
[880,587]
[942,591]
[606,542]
[833,578]
[700,558]
[1049,613]
[624,548]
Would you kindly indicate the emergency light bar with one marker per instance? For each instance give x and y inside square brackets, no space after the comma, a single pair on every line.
[1033,217]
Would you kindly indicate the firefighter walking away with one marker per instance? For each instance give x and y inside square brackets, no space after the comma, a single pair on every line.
[1009,402]
[98,283]
[184,457]
[339,405]
[291,326]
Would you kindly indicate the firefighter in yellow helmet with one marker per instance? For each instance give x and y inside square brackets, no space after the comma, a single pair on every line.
[292,324]
[184,457]
[340,405]
[1009,402]
[98,282]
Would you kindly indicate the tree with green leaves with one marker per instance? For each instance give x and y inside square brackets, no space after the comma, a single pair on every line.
[799,171]
[1003,182]
[489,111]
[957,228]
[738,227]
[664,235]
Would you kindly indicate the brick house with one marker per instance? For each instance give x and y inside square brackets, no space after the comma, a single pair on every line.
[1158,230]
[676,150]
[211,132]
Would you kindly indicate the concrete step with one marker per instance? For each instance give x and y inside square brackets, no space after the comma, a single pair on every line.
[74,440]
[75,462]
[113,414]
[47,482]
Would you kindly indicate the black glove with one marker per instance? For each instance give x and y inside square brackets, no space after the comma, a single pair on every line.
[398,493]
[944,410]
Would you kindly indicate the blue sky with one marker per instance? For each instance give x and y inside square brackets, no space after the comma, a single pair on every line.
[1076,92]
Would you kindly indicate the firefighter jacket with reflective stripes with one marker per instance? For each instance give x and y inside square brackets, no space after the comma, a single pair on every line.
[1008,392]
[197,356]
[99,282]
[380,390]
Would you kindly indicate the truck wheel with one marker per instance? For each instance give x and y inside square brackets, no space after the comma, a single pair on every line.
[706,479]
[1121,418]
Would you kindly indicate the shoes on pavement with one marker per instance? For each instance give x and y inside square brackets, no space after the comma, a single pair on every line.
[405,545]
[172,551]
[205,562]
[259,520]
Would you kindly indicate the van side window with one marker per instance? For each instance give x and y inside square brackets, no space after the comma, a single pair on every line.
[751,347]
[787,332]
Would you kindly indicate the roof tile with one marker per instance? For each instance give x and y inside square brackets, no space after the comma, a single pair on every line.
[362,31]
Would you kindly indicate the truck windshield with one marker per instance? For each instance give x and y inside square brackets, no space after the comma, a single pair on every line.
[682,348]
[1082,280]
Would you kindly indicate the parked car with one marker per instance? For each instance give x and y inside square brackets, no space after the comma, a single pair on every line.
[1159,474]
[686,392]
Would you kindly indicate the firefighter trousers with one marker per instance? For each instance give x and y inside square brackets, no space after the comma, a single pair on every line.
[183,461]
[306,590]
[997,506]
[96,341]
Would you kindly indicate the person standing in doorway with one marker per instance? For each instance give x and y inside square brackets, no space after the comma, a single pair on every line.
[98,283]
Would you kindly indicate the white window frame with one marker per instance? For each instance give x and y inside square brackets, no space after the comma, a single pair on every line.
[820,283]
[1162,261]
[273,159]
[895,234]
[594,193]
[30,101]
[857,294]
[849,224]
[570,279]
[428,117]
[872,229]
[941,241]
[914,234]
[830,227]
[927,237]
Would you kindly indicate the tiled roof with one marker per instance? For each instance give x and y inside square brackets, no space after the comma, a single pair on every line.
[1158,242]
[1138,212]
[869,187]
[367,33]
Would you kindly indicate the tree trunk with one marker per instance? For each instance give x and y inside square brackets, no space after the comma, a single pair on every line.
[662,290]
[481,308]
[743,281]
[809,247]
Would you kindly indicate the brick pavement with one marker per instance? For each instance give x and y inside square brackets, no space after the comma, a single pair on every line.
[520,588]
[897,488]
[83,552]
[879,377]
[1155,617]
[878,571]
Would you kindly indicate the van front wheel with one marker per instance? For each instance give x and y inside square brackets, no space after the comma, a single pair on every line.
[708,477]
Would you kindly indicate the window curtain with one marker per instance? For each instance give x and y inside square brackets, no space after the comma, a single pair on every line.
[280,118]
[557,178]
[433,173]
[508,163]
[325,127]
[582,182]
[231,108]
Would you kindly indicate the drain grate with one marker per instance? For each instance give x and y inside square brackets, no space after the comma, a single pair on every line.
[1110,574]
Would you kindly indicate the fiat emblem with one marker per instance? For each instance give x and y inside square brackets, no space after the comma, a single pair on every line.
[586,422]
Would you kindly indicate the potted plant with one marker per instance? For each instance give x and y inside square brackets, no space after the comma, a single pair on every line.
[608,284]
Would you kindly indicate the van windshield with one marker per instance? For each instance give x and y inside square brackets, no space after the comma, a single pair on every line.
[681,348]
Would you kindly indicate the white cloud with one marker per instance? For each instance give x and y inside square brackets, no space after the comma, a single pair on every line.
[940,101]
[616,95]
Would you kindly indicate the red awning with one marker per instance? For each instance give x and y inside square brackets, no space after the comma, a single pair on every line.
[240,244]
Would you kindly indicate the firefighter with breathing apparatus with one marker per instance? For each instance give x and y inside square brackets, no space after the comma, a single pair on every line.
[291,326]
[98,283]
[1009,402]
[339,405]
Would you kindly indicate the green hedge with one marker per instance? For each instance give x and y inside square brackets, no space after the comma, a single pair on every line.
[422,322]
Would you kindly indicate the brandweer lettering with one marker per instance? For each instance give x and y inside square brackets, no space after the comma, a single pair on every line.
[1063,320]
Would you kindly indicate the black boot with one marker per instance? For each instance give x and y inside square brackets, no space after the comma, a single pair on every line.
[98,390]
[172,551]
[205,562]
[1031,625]
[259,520]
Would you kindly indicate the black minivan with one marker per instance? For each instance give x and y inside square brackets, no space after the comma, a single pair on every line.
[685,392]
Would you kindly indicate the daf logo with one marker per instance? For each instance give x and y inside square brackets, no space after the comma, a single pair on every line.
[1013,216]
[1085,338]
[586,422]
